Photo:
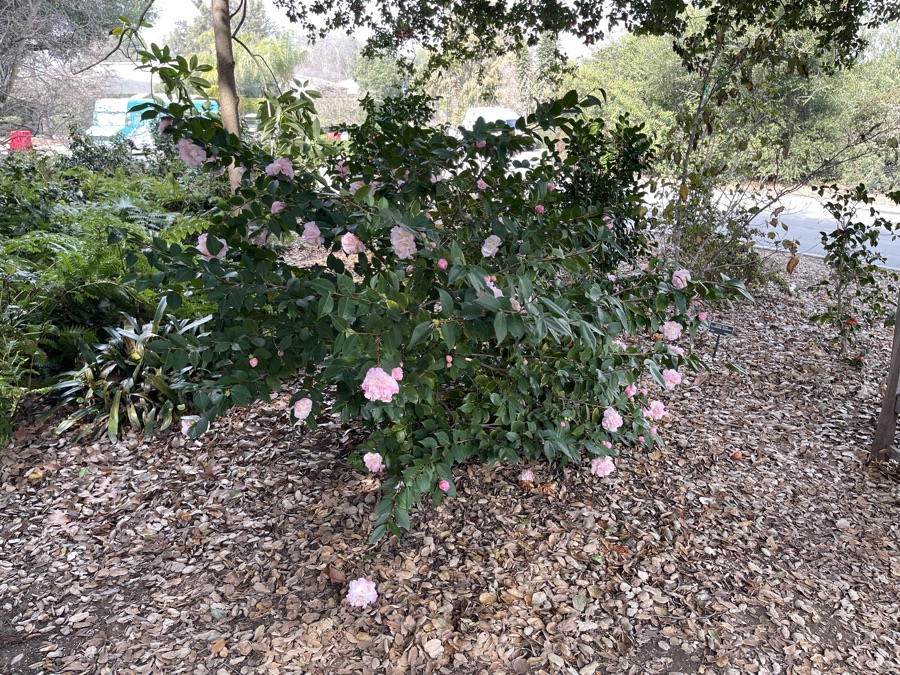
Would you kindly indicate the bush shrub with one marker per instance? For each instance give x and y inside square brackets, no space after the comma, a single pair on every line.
[467,302]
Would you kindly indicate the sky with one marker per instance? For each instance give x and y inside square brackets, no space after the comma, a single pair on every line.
[171,11]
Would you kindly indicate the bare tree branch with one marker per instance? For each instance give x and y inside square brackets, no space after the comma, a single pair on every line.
[125,31]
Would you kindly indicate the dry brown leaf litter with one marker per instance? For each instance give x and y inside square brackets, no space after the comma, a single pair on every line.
[231,554]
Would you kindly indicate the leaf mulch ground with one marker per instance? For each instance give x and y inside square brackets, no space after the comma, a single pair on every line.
[230,554]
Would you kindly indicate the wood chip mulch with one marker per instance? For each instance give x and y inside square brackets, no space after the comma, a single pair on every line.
[754,541]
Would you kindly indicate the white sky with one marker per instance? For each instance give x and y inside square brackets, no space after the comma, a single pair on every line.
[171,11]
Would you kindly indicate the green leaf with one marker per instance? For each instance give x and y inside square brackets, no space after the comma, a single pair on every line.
[421,333]
[112,428]
[500,327]
[735,368]
[450,332]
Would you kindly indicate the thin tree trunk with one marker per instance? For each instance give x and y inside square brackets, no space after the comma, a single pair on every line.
[886,429]
[228,96]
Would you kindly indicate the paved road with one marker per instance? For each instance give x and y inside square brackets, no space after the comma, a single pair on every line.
[806,219]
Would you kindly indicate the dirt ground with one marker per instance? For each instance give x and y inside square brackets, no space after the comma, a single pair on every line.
[754,541]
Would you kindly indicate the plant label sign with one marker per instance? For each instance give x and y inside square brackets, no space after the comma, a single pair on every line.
[720,328]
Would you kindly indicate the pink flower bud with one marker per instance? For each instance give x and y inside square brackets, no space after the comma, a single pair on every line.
[640,439]
[480,144]
[653,431]
[254,362]
[539,208]
[448,358]
[562,424]
[442,264]
[608,445]
[280,352]
[551,186]
[444,485]
[702,316]
[409,269]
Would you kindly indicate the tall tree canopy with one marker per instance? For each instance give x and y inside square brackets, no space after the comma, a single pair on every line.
[445,27]
[62,29]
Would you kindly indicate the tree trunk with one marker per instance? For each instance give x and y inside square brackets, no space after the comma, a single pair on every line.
[228,96]
[886,430]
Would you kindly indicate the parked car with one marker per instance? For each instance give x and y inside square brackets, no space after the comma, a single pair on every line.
[122,117]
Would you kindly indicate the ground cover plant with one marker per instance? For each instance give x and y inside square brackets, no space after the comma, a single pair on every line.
[61,281]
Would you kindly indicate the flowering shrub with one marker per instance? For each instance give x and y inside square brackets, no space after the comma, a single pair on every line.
[461,307]
[854,286]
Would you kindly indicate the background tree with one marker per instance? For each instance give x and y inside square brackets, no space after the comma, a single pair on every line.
[33,32]
[266,56]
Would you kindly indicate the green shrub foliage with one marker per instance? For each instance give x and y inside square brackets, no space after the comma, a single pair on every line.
[473,297]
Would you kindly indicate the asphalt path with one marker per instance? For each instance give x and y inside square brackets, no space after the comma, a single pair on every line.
[806,219]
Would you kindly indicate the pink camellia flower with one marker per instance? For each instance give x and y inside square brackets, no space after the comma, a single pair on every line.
[644,267]
[680,279]
[612,420]
[620,344]
[516,305]
[551,186]
[351,244]
[341,170]
[302,408]
[672,378]
[434,178]
[190,153]
[188,421]
[204,251]
[442,264]
[608,222]
[539,208]
[656,411]
[164,124]
[491,246]
[481,184]
[277,207]
[404,243]
[602,466]
[631,390]
[678,351]
[671,330]
[640,439]
[702,316]
[379,386]
[362,593]
[374,462]
[397,373]
[312,235]
[444,485]
[354,186]
[281,167]
[480,144]
[611,277]
[527,476]
[254,362]
[490,284]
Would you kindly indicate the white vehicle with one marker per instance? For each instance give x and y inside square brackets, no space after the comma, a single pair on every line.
[507,115]
[118,117]
[510,117]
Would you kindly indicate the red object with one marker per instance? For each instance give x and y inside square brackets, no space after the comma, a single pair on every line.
[20,140]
